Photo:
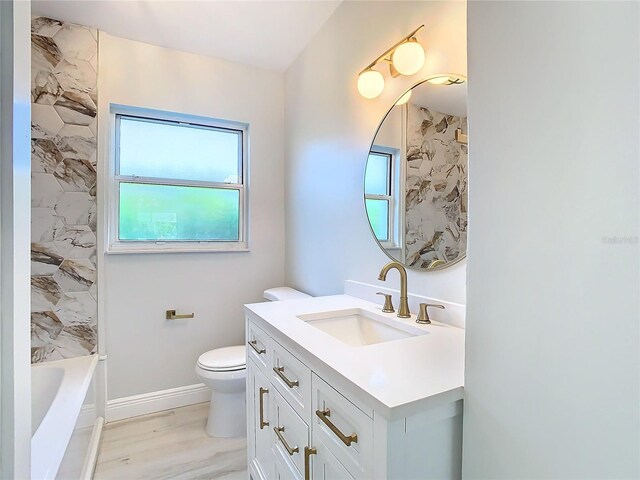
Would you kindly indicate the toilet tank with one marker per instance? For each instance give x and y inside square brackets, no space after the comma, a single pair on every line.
[283,293]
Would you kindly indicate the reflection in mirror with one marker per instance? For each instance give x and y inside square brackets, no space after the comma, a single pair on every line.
[415,186]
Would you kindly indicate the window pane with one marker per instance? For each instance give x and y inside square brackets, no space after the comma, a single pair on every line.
[167,212]
[376,177]
[171,150]
[378,213]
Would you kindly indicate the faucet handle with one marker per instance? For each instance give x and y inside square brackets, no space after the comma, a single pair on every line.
[388,304]
[423,316]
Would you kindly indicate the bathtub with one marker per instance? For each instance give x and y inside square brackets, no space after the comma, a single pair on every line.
[58,390]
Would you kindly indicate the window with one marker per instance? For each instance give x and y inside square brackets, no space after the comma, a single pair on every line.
[380,185]
[178,183]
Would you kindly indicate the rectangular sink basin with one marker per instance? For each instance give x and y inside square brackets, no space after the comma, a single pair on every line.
[358,328]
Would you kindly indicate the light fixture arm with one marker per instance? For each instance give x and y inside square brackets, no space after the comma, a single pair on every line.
[386,55]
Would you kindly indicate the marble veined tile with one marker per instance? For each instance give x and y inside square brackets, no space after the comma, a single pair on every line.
[46,27]
[73,207]
[45,88]
[76,75]
[45,294]
[76,42]
[45,121]
[45,54]
[435,187]
[45,155]
[79,142]
[45,224]
[46,353]
[45,327]
[76,108]
[64,165]
[76,241]
[79,308]
[75,275]
[76,341]
[75,175]
[93,212]
[94,62]
[45,259]
[45,190]
[94,290]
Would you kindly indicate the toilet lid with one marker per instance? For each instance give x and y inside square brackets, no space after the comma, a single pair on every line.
[227,358]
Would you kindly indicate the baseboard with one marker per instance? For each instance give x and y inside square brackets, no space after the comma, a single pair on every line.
[152,402]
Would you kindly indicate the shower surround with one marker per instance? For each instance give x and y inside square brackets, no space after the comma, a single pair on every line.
[63,199]
[436,188]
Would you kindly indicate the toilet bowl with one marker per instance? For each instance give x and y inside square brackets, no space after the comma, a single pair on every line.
[224,371]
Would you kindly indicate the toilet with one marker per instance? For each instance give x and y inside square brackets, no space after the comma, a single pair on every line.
[224,371]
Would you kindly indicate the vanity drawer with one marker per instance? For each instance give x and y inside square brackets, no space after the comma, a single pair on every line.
[258,346]
[290,435]
[284,470]
[343,428]
[292,379]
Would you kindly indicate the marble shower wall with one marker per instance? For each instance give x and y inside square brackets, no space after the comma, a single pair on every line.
[63,199]
[436,188]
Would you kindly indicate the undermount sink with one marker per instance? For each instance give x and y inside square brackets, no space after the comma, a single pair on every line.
[357,327]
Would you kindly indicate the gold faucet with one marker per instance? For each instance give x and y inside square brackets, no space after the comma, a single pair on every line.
[403,312]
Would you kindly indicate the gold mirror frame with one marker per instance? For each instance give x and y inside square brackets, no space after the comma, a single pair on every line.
[461,137]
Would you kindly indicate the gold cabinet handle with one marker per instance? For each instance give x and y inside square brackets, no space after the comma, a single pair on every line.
[171,315]
[308,451]
[254,344]
[346,439]
[280,372]
[263,391]
[290,450]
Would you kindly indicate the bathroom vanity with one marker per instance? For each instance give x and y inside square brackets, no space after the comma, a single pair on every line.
[337,389]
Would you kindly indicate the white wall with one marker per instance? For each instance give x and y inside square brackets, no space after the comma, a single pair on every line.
[552,365]
[145,352]
[329,128]
[15,232]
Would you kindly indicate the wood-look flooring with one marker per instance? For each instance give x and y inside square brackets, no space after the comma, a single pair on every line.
[169,445]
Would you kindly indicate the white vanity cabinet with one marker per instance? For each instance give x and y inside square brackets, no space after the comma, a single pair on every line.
[259,393]
[306,422]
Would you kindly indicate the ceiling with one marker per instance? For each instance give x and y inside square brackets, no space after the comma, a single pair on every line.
[267,34]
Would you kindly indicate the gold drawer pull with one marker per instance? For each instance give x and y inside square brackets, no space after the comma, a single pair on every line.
[262,422]
[254,344]
[280,372]
[290,450]
[308,451]
[346,439]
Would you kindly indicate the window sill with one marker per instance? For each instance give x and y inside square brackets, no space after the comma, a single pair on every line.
[177,247]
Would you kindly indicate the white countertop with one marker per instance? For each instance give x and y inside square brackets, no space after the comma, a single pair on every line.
[397,378]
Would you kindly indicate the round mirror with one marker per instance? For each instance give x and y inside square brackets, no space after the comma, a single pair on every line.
[415,186]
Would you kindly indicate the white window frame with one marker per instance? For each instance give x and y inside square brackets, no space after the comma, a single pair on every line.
[395,215]
[115,245]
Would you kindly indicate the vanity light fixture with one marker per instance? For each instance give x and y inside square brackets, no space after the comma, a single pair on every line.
[447,79]
[404,98]
[405,58]
[370,83]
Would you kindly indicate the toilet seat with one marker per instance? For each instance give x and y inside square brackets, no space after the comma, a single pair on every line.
[227,359]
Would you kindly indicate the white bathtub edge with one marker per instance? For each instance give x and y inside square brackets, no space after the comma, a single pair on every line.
[91,459]
[50,440]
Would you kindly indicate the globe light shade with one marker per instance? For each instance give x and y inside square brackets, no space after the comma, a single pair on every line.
[408,58]
[404,98]
[370,83]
